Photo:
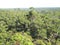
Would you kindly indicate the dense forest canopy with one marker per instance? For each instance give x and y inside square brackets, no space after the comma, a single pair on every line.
[33,26]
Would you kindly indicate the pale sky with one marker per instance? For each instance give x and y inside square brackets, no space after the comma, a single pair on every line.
[28,3]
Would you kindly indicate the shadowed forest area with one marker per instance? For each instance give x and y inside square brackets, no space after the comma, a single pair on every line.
[33,26]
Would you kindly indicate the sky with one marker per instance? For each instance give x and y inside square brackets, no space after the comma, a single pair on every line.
[29,3]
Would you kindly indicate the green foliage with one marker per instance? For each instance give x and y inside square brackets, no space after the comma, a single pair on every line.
[40,42]
[30,27]
[21,39]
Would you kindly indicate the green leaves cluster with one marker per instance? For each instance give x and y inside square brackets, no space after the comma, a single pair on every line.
[29,27]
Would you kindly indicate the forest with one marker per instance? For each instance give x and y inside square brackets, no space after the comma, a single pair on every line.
[33,26]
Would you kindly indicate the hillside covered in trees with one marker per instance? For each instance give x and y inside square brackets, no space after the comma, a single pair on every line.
[31,26]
